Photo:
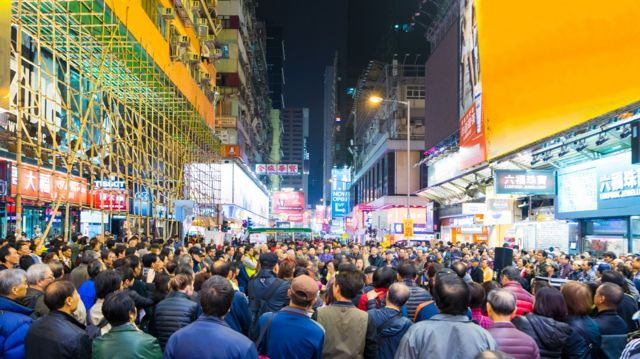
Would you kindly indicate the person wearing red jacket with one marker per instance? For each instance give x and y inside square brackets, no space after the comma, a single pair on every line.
[510,278]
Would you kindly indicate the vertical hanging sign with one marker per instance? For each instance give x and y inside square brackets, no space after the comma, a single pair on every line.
[5,53]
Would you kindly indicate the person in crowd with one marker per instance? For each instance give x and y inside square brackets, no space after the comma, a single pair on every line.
[628,305]
[304,336]
[588,271]
[375,259]
[9,257]
[266,292]
[87,290]
[15,319]
[613,328]
[389,323]
[460,268]
[106,282]
[176,311]
[128,279]
[210,336]
[423,339]
[477,300]
[501,306]
[408,274]
[477,274]
[348,331]
[80,274]
[382,280]
[565,266]
[586,336]
[239,316]
[124,340]
[38,277]
[510,279]
[58,334]
[249,261]
[547,323]
[487,272]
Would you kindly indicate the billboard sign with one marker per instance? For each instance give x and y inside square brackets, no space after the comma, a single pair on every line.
[340,186]
[44,184]
[525,182]
[282,169]
[606,187]
[288,206]
[472,140]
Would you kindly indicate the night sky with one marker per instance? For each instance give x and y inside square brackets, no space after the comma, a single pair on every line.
[360,30]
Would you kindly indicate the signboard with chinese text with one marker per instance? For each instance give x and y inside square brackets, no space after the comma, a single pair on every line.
[282,169]
[525,182]
[408,228]
[44,184]
[605,187]
[340,186]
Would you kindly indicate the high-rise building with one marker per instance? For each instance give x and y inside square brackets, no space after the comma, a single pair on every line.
[244,108]
[275,66]
[295,122]
[331,118]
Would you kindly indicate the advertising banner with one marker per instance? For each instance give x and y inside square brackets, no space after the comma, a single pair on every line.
[540,72]
[289,206]
[408,228]
[606,187]
[472,132]
[525,182]
[5,52]
[282,169]
[340,186]
[45,184]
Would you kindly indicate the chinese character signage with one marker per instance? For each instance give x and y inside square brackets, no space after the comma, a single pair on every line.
[289,206]
[525,182]
[408,228]
[281,169]
[340,186]
[44,184]
[605,187]
[110,195]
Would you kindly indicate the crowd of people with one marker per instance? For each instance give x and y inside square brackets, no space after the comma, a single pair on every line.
[154,298]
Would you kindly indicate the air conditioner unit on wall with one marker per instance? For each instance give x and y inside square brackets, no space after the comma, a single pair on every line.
[183,40]
[167,13]
[193,58]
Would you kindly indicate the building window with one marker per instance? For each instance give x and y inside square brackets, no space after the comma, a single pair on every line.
[415,92]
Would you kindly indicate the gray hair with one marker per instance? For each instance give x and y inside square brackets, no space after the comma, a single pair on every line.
[89,256]
[398,294]
[10,278]
[502,301]
[37,273]
[185,259]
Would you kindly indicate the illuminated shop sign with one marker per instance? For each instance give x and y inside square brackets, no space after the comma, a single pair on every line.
[525,182]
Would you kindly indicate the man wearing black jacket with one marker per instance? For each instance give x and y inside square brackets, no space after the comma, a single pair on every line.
[477,275]
[267,292]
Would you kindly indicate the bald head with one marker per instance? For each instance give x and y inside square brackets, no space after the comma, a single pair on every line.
[398,294]
[221,268]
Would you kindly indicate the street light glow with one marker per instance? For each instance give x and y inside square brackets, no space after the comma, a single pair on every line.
[375,99]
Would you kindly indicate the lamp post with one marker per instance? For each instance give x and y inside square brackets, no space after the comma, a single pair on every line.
[378,100]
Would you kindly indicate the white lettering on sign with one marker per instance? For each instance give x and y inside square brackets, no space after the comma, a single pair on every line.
[620,184]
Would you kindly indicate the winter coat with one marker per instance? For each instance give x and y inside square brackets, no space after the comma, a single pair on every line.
[57,335]
[239,316]
[126,342]
[348,332]
[390,327]
[174,312]
[524,299]
[14,324]
[550,335]
[584,340]
[417,296]
[257,290]
[627,307]
[477,275]
[514,342]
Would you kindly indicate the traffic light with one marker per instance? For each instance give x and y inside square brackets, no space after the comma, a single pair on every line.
[225,226]
[249,223]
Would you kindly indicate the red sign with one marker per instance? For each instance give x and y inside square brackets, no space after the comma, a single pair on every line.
[261,169]
[290,204]
[231,151]
[292,168]
[114,200]
[473,147]
[271,168]
[45,184]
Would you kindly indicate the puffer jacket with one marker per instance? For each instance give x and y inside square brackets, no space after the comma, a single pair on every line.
[584,340]
[174,312]
[524,299]
[550,335]
[514,342]
[417,296]
[57,335]
[390,327]
[14,325]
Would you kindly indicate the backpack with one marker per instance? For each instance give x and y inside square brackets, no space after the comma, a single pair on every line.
[94,331]
[258,306]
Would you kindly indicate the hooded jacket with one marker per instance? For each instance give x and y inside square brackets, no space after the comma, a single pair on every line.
[550,335]
[390,327]
[14,324]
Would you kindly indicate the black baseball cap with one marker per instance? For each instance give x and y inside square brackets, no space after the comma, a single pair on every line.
[269,259]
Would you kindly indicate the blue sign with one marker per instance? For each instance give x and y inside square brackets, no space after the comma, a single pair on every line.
[340,185]
[141,203]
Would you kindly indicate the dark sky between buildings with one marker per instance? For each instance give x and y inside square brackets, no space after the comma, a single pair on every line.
[359,30]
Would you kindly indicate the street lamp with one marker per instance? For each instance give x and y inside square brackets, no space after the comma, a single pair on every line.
[376,100]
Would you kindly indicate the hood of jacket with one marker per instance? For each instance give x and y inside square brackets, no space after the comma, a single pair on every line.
[551,333]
